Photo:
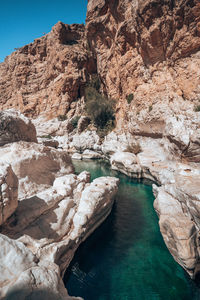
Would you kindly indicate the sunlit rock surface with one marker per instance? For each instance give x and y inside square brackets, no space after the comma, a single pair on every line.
[44,218]
[23,275]
[35,165]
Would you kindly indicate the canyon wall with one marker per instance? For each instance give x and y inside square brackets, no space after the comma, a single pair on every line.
[147,49]
[47,75]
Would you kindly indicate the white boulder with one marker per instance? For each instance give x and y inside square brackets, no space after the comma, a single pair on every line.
[15,127]
[126,163]
[22,276]
[35,165]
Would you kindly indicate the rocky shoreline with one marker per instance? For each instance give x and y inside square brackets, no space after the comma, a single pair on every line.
[46,212]
[177,180]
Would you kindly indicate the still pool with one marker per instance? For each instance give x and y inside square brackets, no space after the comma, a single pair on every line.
[126,258]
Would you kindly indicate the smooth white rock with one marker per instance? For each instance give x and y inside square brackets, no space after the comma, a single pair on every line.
[77,156]
[85,140]
[35,165]
[23,276]
[126,163]
[89,154]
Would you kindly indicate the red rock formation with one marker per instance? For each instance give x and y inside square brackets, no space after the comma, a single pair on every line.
[48,74]
[148,49]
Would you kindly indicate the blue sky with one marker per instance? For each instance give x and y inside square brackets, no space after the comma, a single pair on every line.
[22,21]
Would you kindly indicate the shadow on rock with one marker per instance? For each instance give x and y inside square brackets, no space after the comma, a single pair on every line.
[32,217]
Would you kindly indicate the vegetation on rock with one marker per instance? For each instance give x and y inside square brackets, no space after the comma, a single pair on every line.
[99,108]
[129,98]
[150,108]
[48,136]
[74,121]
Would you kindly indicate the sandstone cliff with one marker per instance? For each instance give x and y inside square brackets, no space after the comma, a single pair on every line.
[48,74]
[146,49]
[149,49]
[146,54]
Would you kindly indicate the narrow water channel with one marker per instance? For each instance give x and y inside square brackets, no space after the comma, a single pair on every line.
[126,258]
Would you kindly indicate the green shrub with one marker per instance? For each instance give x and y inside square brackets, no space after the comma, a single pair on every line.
[62,117]
[197,108]
[74,121]
[102,132]
[129,98]
[95,82]
[46,136]
[150,108]
[99,108]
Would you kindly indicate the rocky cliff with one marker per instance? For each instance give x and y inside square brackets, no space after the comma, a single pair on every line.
[147,49]
[48,74]
[146,54]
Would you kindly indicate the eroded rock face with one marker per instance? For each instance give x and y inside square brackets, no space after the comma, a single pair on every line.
[46,76]
[35,165]
[126,162]
[15,127]
[87,140]
[22,275]
[130,37]
[8,192]
[83,123]
[49,227]
[44,220]
[148,59]
[146,54]
[144,49]
[178,230]
[52,127]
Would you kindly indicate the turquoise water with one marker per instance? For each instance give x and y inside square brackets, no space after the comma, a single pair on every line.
[126,258]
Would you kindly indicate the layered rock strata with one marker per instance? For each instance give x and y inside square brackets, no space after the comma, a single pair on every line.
[144,49]
[48,75]
[147,52]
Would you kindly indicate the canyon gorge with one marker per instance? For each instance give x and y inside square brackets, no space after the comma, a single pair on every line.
[145,56]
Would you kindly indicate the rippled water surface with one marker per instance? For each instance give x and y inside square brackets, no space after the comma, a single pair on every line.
[126,258]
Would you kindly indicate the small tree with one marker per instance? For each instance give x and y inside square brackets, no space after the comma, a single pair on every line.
[99,108]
